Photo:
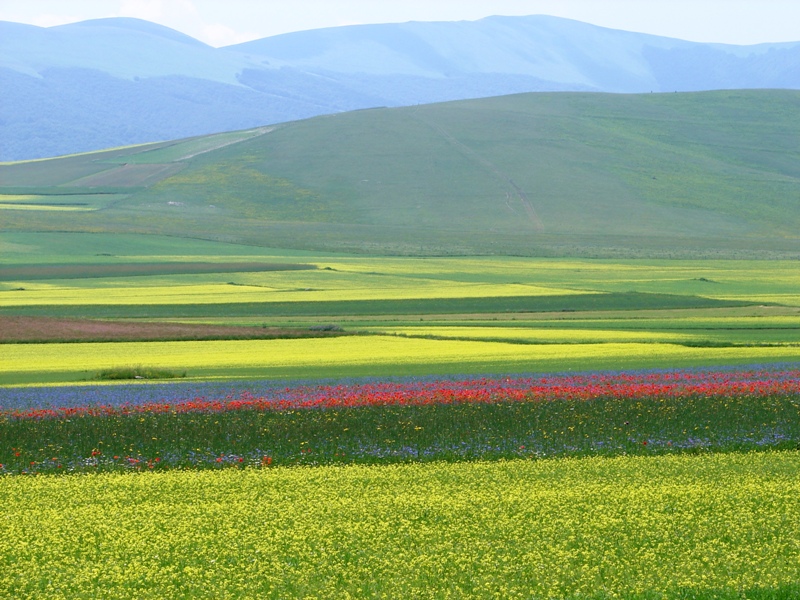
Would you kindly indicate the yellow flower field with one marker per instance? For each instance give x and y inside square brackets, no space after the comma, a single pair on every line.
[564,528]
[40,294]
[344,356]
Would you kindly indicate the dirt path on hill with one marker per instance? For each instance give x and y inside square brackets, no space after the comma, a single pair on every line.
[468,152]
[261,131]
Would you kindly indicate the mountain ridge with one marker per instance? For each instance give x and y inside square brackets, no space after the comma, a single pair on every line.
[106,82]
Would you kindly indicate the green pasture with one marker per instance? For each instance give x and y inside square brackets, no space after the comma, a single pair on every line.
[719,527]
[51,173]
[381,277]
[68,171]
[592,175]
[526,335]
[59,248]
[333,310]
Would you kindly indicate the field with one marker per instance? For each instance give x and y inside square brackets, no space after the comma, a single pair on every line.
[565,366]
[583,175]
[703,527]
[423,419]
[406,316]
[607,481]
[659,484]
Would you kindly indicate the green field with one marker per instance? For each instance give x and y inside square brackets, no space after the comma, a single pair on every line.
[720,527]
[413,315]
[592,175]
[532,234]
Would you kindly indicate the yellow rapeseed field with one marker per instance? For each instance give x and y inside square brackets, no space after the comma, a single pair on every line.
[565,528]
[384,354]
[49,294]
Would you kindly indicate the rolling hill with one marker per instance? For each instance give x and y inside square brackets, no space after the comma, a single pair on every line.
[680,174]
[111,82]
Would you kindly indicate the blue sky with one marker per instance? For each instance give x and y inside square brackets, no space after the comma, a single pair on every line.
[223,22]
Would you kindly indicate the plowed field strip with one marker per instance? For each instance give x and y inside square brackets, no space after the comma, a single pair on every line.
[45,329]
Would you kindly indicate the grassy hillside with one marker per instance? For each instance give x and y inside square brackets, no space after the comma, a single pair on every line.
[701,174]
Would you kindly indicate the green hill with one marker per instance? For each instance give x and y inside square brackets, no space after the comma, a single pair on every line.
[696,174]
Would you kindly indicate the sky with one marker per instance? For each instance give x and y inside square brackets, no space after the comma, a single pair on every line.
[225,22]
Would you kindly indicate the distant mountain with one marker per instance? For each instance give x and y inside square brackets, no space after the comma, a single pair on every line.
[708,174]
[120,81]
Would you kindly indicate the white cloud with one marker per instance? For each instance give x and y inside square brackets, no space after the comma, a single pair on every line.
[218,35]
[51,20]
[184,16]
[178,14]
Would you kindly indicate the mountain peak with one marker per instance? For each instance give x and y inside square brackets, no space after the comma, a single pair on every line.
[136,25]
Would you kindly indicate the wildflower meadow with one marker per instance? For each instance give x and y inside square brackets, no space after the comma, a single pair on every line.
[372,422]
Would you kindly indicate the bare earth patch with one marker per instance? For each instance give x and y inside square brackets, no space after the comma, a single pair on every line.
[50,329]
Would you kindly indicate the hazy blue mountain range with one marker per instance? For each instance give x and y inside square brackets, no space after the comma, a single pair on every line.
[111,82]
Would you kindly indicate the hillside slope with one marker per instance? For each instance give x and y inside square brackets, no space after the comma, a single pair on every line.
[712,173]
[110,82]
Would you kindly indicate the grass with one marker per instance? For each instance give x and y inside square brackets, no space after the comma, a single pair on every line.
[701,277]
[669,175]
[517,333]
[701,527]
[239,303]
[137,372]
[522,335]
[343,277]
[47,174]
[59,248]
[638,526]
[184,149]
[123,270]
[128,176]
